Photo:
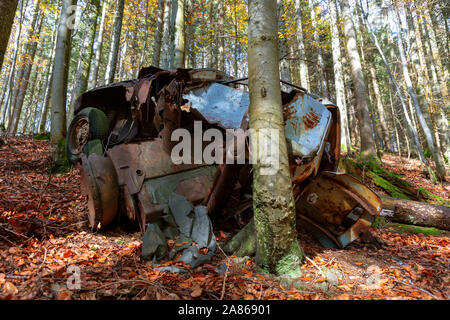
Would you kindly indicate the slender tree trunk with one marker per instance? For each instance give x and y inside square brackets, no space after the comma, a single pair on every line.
[179,36]
[442,73]
[7,10]
[317,44]
[412,132]
[166,35]
[379,103]
[362,113]
[158,33]
[338,74]
[277,246]
[59,83]
[48,88]
[440,168]
[304,75]
[221,37]
[115,42]
[285,72]
[99,48]
[9,83]
[31,48]
[84,62]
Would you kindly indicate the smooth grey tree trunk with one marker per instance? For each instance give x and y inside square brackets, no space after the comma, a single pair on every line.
[411,130]
[115,42]
[85,58]
[179,52]
[285,72]
[9,83]
[59,83]
[158,34]
[99,48]
[25,72]
[440,168]
[274,211]
[166,35]
[338,74]
[317,43]
[362,110]
[304,75]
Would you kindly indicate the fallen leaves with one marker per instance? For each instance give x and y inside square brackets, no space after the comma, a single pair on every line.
[44,223]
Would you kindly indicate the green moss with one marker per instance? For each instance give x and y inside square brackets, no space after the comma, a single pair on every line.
[389,187]
[60,162]
[428,194]
[406,228]
[289,265]
[379,222]
[42,137]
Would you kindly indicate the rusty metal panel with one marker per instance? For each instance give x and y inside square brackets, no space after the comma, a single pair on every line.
[307,125]
[219,104]
[339,205]
[136,162]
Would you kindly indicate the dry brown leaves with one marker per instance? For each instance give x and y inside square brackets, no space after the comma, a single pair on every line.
[43,232]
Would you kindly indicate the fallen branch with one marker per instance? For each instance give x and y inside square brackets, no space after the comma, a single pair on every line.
[416,213]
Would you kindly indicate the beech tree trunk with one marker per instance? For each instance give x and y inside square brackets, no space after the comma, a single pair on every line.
[158,34]
[440,168]
[59,83]
[304,75]
[166,35]
[23,81]
[179,36]
[274,209]
[338,74]
[7,12]
[115,42]
[99,48]
[362,110]
[317,44]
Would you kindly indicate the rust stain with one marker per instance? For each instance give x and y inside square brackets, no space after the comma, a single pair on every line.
[311,120]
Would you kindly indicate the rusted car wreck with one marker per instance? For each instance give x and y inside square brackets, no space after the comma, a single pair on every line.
[121,137]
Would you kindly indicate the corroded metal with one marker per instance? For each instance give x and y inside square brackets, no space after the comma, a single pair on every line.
[100,184]
[339,204]
[145,112]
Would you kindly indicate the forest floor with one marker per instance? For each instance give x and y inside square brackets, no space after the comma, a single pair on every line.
[43,231]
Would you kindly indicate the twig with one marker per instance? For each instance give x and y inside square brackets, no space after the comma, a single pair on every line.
[320,270]
[3,237]
[417,288]
[13,232]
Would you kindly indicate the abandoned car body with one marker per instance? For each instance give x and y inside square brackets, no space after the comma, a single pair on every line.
[121,136]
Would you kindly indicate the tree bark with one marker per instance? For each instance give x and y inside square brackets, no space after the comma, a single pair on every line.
[98,50]
[362,110]
[85,59]
[285,72]
[59,83]
[166,35]
[9,84]
[115,42]
[8,10]
[221,38]
[31,47]
[338,74]
[179,36]
[274,210]
[417,213]
[317,44]
[304,75]
[158,34]
[440,168]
